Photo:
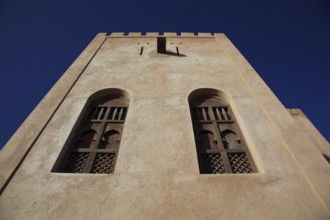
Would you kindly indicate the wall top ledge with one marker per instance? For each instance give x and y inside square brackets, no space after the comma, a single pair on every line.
[165,34]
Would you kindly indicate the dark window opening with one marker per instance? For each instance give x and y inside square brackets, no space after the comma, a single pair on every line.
[161,44]
[94,147]
[219,142]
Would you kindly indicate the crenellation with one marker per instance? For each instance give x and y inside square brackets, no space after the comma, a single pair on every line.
[166,34]
[134,34]
[219,35]
[188,34]
[204,34]
[152,34]
[170,34]
[117,34]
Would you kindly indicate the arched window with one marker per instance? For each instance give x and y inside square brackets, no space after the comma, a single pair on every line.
[219,142]
[94,146]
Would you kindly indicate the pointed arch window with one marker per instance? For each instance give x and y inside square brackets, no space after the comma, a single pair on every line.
[219,142]
[94,147]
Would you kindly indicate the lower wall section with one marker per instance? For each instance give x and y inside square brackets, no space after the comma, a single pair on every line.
[167,196]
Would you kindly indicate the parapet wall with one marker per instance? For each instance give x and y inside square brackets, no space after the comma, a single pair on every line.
[156,34]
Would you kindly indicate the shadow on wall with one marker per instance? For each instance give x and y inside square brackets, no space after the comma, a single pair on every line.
[327,158]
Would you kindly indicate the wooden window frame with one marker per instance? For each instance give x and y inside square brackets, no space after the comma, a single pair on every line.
[216,119]
[95,158]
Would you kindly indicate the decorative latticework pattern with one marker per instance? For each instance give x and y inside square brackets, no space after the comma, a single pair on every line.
[96,141]
[202,114]
[239,162]
[76,162]
[117,113]
[212,163]
[97,113]
[104,163]
[220,144]
[221,113]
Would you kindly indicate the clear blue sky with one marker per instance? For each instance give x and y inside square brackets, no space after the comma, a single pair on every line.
[287,42]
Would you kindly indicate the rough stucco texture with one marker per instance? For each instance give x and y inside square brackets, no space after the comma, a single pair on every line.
[157,175]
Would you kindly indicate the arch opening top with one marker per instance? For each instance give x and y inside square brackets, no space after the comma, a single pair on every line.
[105,115]
[223,150]
[207,96]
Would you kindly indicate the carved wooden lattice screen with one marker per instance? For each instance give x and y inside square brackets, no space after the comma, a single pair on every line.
[95,148]
[220,145]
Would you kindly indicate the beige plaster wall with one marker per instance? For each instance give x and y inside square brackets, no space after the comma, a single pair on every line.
[310,131]
[156,175]
[309,160]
